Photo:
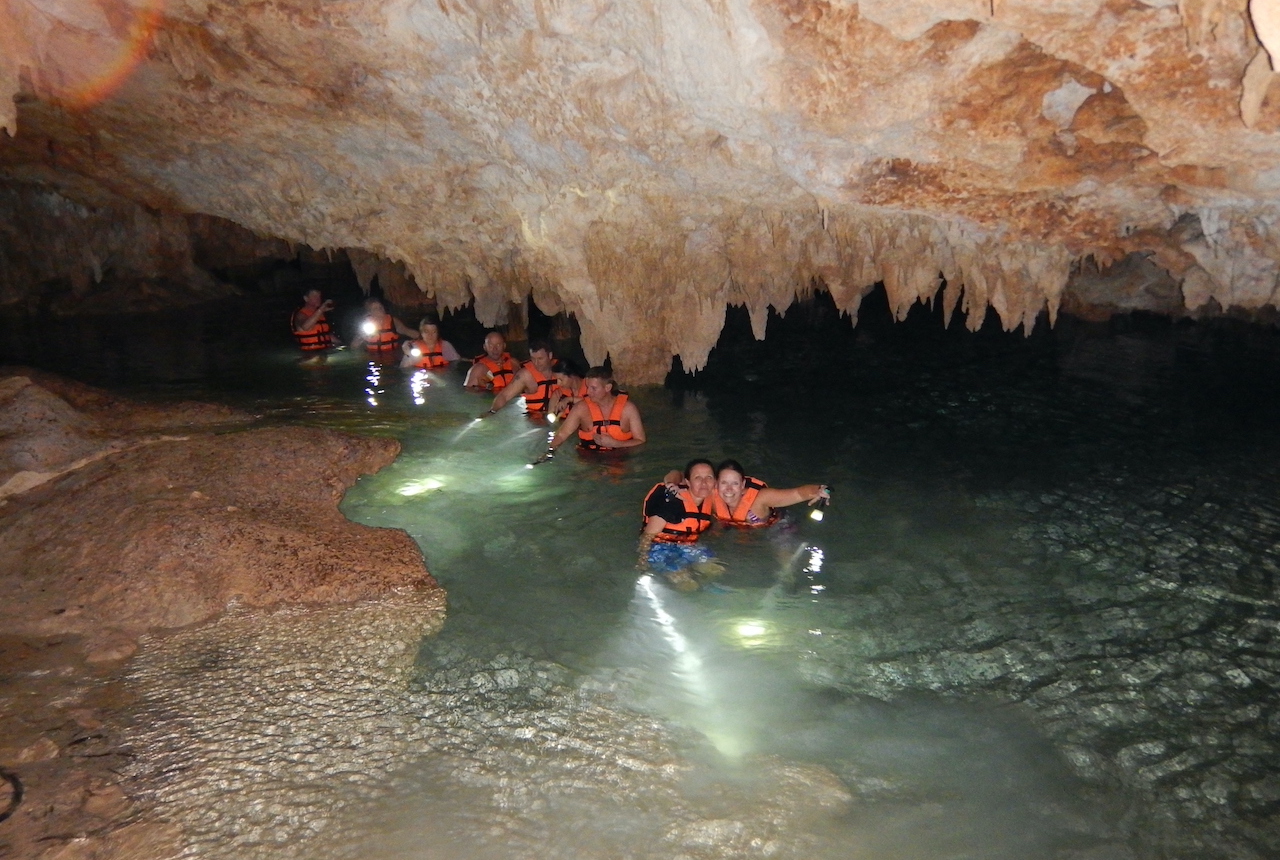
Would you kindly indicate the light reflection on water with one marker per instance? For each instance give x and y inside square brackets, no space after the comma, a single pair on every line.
[957,570]
[541,562]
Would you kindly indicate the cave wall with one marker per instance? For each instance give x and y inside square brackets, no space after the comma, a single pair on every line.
[641,164]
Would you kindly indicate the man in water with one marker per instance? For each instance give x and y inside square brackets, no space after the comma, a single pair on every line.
[428,351]
[673,522]
[492,370]
[606,419]
[535,381]
[379,331]
[310,325]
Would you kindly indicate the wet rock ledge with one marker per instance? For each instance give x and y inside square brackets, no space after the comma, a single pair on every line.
[118,519]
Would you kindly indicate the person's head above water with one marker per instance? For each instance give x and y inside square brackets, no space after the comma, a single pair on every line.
[600,384]
[374,308]
[567,373]
[700,477]
[541,355]
[495,345]
[311,297]
[730,480]
[429,329]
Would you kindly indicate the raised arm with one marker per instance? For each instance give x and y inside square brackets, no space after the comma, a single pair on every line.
[771,497]
[301,323]
[404,330]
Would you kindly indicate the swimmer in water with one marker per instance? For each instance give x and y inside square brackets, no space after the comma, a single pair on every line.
[428,351]
[749,503]
[311,326]
[673,522]
[605,420]
[535,381]
[379,331]
[494,368]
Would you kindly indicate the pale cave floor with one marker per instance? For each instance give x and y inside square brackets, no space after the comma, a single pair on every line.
[1039,621]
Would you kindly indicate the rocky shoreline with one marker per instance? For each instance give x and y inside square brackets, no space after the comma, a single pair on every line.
[120,520]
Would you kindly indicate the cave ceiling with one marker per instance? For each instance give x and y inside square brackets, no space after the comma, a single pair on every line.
[642,164]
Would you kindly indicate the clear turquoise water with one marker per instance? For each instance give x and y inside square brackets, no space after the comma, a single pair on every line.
[1037,621]
[541,563]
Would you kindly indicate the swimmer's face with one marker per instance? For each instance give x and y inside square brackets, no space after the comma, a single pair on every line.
[375,309]
[312,298]
[541,359]
[430,334]
[494,345]
[597,389]
[702,480]
[730,484]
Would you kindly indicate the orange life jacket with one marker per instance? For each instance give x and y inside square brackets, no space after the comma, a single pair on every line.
[611,426]
[503,370]
[540,399]
[739,517]
[385,338]
[430,358]
[697,518]
[319,336]
[569,399]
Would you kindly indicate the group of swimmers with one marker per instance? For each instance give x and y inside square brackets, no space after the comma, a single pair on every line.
[677,511]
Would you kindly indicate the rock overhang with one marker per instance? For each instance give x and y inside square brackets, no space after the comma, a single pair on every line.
[644,164]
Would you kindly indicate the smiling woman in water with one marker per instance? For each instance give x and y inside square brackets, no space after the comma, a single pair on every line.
[749,503]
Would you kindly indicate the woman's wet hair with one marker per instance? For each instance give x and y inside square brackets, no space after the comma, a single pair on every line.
[732,465]
[688,470]
[429,320]
[568,368]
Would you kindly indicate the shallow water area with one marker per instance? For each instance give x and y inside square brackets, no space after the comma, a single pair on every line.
[1038,620]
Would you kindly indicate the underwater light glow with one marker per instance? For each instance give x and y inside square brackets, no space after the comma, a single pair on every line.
[751,628]
[417,488]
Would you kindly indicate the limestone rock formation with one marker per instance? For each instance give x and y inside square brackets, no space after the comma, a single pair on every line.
[122,532]
[642,164]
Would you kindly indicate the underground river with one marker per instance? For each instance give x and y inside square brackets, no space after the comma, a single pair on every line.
[1039,619]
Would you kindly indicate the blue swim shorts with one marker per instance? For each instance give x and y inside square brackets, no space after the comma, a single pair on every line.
[670,557]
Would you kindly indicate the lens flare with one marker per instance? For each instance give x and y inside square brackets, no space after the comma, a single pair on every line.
[93,64]
[369,327]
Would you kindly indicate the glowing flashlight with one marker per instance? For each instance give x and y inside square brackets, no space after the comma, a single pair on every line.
[415,352]
[822,502]
[369,327]
[551,417]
